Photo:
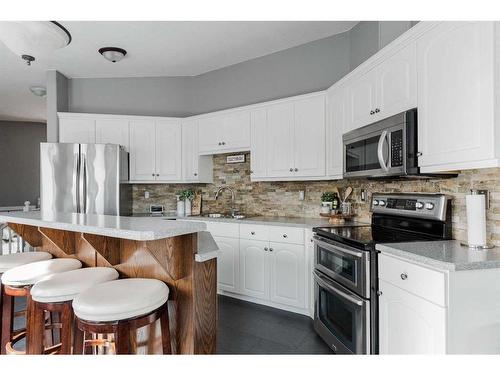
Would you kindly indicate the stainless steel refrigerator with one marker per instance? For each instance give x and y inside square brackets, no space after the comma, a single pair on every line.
[84,178]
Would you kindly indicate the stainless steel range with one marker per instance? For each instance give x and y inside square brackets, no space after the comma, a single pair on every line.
[346,271]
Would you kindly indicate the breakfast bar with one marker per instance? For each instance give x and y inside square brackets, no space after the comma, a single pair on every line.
[181,254]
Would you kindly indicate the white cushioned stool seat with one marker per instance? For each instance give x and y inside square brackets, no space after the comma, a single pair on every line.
[66,286]
[18,259]
[29,274]
[120,299]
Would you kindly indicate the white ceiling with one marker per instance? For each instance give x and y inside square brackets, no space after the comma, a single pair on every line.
[163,48]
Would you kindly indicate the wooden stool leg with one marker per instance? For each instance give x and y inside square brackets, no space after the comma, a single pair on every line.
[165,332]
[35,328]
[122,338]
[66,328]
[78,339]
[7,319]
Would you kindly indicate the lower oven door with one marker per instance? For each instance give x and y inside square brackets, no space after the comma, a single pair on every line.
[341,317]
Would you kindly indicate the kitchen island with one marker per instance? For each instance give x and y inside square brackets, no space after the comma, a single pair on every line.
[182,254]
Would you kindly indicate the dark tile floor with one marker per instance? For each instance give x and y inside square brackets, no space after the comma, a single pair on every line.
[248,328]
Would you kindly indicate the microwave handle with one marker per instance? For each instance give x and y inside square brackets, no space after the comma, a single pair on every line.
[380,151]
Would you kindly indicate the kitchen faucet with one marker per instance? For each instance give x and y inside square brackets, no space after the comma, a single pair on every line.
[221,189]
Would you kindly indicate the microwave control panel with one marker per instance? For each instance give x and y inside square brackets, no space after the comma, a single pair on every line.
[397,148]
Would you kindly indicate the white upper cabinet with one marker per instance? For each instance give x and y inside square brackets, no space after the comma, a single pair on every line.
[76,130]
[168,150]
[335,119]
[280,140]
[195,168]
[225,132]
[288,139]
[142,150]
[361,101]
[387,89]
[309,137]
[114,131]
[456,125]
[397,83]
[258,143]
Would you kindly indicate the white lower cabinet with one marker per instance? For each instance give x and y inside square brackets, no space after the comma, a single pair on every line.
[254,268]
[228,263]
[410,324]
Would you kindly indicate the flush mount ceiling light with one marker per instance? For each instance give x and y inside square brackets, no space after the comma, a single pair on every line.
[113,54]
[38,91]
[28,39]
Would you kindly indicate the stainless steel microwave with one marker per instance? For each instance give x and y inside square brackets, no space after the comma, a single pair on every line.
[386,148]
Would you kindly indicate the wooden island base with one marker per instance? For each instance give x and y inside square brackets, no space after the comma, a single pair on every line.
[193,285]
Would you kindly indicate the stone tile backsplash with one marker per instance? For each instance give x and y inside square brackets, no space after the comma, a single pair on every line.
[282,198]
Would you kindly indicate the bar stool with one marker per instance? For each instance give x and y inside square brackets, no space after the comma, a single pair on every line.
[120,306]
[8,262]
[55,295]
[17,282]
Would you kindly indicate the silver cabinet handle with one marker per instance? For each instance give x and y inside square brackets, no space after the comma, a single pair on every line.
[419,154]
[251,172]
[252,233]
[285,235]
[265,249]
[291,169]
[153,174]
[372,112]
[296,169]
[404,276]
[377,110]
[223,143]
[379,293]
[196,174]
[220,144]
[157,175]
[271,249]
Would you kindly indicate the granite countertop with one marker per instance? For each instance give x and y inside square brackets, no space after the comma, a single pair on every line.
[132,228]
[300,222]
[445,255]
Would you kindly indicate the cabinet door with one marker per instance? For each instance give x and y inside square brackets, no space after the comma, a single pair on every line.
[254,268]
[76,130]
[190,151]
[258,143]
[280,119]
[309,137]
[235,133]
[335,104]
[112,131]
[287,272]
[397,83]
[409,324]
[142,150]
[228,264]
[361,101]
[168,150]
[209,132]
[455,95]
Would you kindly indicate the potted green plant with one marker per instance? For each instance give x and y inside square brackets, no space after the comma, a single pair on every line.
[327,199]
[187,196]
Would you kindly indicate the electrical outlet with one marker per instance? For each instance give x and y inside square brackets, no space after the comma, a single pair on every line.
[146,194]
[302,195]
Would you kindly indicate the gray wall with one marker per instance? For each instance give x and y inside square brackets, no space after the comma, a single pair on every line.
[57,101]
[310,67]
[20,161]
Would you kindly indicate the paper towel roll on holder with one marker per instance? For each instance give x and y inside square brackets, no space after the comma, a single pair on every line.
[487,206]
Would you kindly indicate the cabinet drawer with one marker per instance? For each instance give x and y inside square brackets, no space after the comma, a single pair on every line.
[254,232]
[421,281]
[286,234]
[223,229]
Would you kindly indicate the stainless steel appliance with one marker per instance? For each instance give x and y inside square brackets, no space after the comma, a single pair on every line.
[346,268]
[387,148]
[84,178]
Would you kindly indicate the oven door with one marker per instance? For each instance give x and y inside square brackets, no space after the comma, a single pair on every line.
[341,317]
[346,265]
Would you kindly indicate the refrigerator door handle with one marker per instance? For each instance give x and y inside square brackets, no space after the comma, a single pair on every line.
[83,190]
[76,176]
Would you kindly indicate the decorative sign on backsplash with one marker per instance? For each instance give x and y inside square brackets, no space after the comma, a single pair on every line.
[232,159]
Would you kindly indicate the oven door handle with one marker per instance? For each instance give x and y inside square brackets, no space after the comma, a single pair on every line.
[323,281]
[380,151]
[336,249]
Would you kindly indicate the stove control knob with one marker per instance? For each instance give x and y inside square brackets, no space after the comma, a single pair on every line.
[429,205]
[382,203]
[419,205]
[375,202]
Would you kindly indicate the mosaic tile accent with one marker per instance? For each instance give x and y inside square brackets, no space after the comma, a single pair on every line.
[282,198]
